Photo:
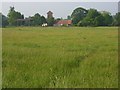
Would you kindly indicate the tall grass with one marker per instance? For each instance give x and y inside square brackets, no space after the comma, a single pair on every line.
[55,57]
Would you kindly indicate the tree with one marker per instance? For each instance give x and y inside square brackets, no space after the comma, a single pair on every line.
[0,19]
[69,17]
[57,19]
[13,16]
[78,14]
[22,16]
[37,19]
[89,20]
[29,21]
[43,19]
[99,20]
[3,20]
[50,21]
[93,13]
[86,22]
[108,18]
[116,19]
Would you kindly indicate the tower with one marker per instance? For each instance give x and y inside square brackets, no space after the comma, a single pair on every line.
[49,14]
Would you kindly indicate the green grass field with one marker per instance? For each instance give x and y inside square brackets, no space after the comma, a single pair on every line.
[55,57]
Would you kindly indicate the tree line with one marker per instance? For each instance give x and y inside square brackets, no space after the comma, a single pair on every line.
[92,17]
[15,18]
[80,17]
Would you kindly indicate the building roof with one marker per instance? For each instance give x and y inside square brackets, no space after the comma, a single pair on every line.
[64,22]
[49,12]
[26,19]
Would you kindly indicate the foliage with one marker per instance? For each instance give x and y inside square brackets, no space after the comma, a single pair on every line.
[13,16]
[79,17]
[78,14]
[108,18]
[3,20]
[86,22]
[37,19]
[92,13]
[43,19]
[50,21]
[57,19]
[69,17]
[99,20]
[116,19]
[0,19]
[95,18]
[89,20]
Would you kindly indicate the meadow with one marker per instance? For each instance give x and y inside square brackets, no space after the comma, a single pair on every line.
[60,57]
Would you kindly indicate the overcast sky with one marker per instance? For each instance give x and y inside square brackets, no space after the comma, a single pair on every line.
[59,9]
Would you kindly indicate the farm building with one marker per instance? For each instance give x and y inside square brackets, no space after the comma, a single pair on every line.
[26,21]
[59,22]
[63,22]
[49,14]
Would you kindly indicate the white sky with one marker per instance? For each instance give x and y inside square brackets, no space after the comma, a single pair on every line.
[60,8]
[60,0]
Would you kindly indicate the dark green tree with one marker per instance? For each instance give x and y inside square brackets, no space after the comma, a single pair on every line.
[69,17]
[93,13]
[3,20]
[0,19]
[108,18]
[50,21]
[78,14]
[86,22]
[13,16]
[89,20]
[57,19]
[99,21]
[43,19]
[37,19]
[116,19]
[22,16]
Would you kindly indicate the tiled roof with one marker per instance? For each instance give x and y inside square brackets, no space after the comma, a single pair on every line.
[64,22]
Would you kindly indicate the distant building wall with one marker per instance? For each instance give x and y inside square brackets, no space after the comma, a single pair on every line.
[49,14]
